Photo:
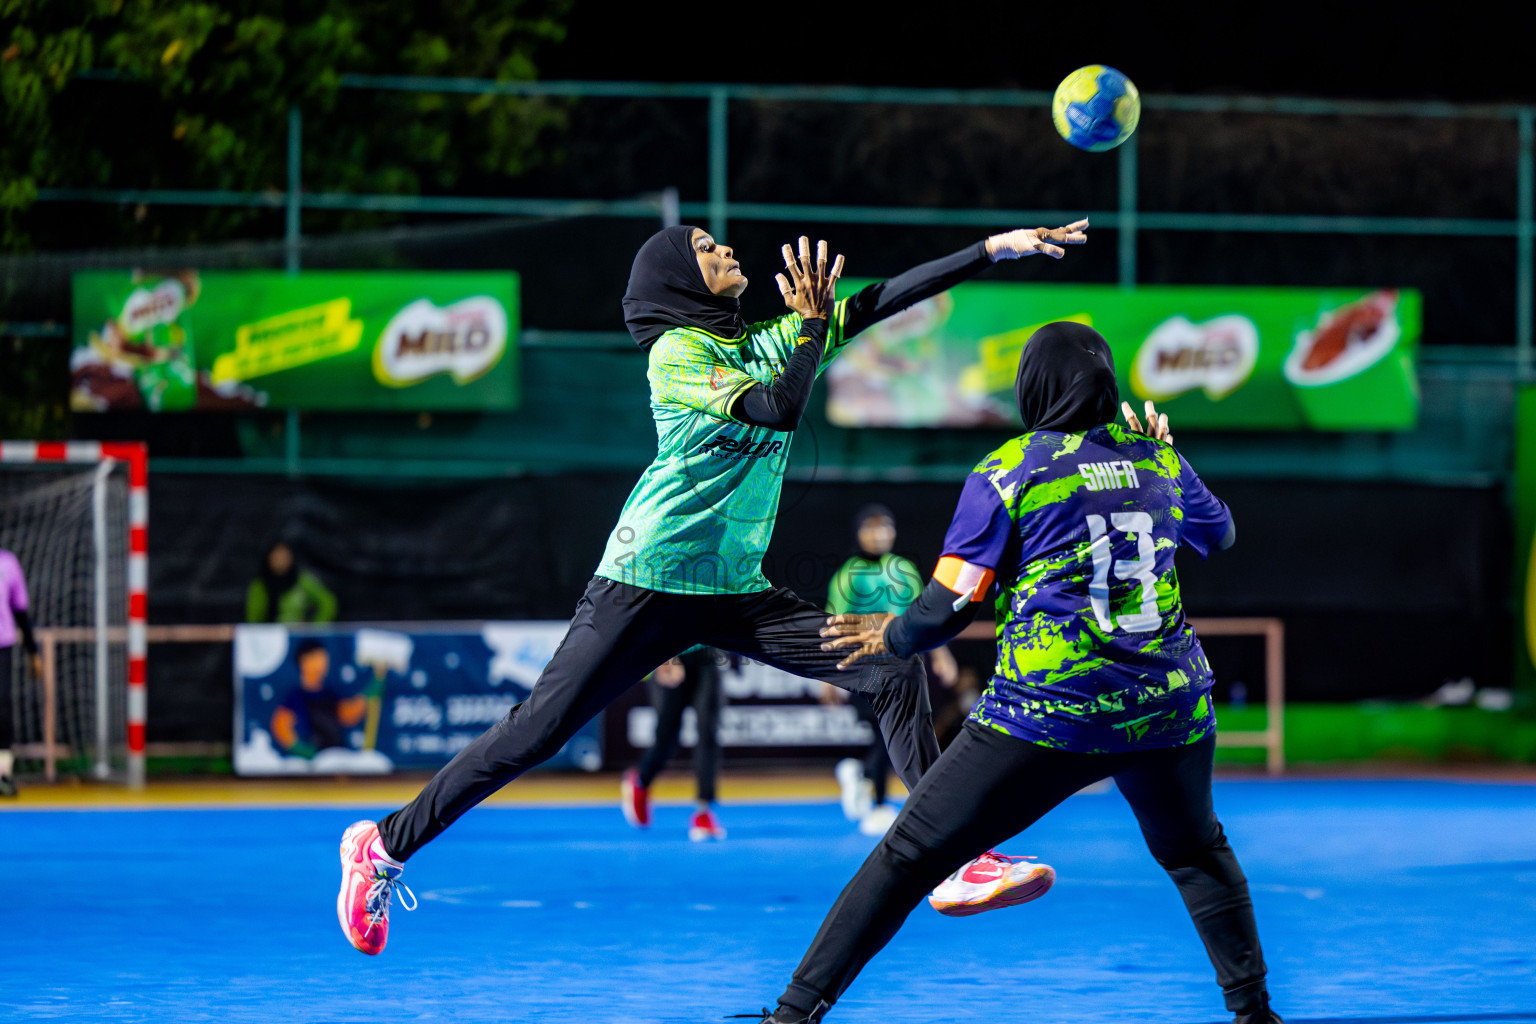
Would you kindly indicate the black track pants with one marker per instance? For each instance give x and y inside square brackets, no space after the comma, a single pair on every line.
[618,634]
[7,721]
[989,786]
[700,690]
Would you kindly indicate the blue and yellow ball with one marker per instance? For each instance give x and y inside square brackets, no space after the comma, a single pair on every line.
[1096,108]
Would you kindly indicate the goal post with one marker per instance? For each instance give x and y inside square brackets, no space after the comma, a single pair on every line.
[113,620]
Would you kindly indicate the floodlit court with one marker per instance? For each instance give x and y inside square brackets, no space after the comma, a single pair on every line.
[1378,901]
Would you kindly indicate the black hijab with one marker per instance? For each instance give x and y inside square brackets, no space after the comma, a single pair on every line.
[1066,379]
[666,290]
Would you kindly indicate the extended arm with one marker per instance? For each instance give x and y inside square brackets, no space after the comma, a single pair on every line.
[779,406]
[875,302]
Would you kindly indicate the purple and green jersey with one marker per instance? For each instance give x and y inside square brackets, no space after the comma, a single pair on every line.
[1093,652]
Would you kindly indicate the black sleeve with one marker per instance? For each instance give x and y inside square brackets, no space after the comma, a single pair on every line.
[780,405]
[874,303]
[24,626]
[931,621]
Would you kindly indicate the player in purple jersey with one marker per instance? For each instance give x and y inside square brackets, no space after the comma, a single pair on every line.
[1098,674]
[14,625]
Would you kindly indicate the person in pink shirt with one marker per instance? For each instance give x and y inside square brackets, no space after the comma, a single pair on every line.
[14,624]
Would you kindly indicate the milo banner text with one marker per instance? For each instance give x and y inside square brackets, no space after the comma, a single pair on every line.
[369,700]
[421,341]
[1234,358]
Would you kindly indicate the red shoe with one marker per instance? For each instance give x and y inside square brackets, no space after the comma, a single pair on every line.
[635,800]
[367,883]
[989,882]
[705,826]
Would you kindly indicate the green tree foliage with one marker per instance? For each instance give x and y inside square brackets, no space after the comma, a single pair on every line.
[187,94]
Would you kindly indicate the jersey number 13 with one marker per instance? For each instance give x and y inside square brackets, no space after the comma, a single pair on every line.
[1139,526]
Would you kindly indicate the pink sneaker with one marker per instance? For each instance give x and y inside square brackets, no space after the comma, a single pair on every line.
[705,826]
[635,800]
[368,880]
[989,882]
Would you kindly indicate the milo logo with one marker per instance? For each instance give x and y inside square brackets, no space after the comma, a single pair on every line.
[1180,355]
[464,339]
[146,308]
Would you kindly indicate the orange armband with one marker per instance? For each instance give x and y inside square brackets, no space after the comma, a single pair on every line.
[964,578]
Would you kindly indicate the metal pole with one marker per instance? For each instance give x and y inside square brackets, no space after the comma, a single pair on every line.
[719,122]
[103,676]
[293,197]
[1127,221]
[291,442]
[1525,259]
[671,208]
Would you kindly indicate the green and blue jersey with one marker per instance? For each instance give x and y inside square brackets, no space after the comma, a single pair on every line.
[1093,652]
[700,518]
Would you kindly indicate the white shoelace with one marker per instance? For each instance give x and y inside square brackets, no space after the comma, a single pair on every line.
[379,894]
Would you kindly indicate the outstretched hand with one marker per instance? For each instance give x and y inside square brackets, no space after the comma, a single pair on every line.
[862,636]
[1027,241]
[810,289]
[1157,423]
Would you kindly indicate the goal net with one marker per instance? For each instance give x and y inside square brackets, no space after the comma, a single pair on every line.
[74,515]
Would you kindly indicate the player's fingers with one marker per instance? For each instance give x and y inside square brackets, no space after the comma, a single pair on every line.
[837,267]
[1130,417]
[1151,409]
[1071,237]
[806,266]
[784,288]
[841,642]
[1162,426]
[849,661]
[1168,437]
[821,259]
[1054,252]
[1077,225]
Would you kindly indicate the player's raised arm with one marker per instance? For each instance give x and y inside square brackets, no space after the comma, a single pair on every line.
[810,290]
[874,303]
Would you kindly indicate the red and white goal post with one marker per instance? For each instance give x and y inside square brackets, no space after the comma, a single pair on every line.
[89,598]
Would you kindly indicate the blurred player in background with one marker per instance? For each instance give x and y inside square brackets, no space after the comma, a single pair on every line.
[875,580]
[692,679]
[683,565]
[14,624]
[1098,674]
[283,591]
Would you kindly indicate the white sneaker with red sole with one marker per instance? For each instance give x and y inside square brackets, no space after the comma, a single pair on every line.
[369,879]
[704,826]
[635,800]
[990,882]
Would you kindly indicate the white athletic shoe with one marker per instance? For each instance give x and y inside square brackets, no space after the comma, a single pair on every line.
[878,821]
[857,796]
[989,882]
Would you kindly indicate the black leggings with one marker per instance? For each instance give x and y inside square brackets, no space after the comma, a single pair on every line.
[700,689]
[877,760]
[7,720]
[621,632]
[989,786]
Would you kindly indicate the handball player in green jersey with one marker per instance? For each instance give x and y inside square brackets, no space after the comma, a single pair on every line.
[683,565]
[1074,524]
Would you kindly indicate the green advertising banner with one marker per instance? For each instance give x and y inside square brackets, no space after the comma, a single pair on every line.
[329,340]
[1234,358]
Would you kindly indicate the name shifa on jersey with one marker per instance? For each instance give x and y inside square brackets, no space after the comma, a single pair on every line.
[723,446]
[1108,476]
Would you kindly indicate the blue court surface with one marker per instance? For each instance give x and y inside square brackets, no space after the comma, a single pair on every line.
[1378,901]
